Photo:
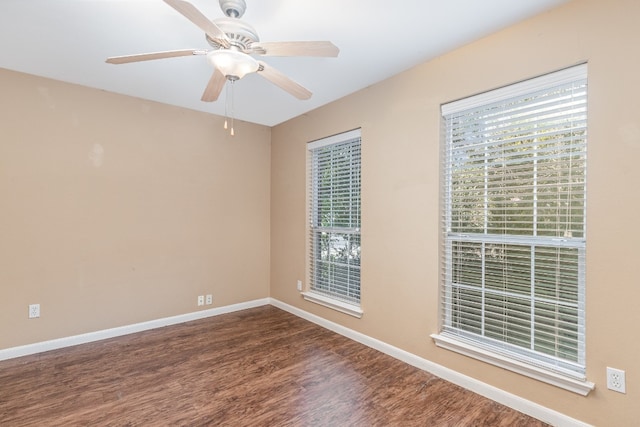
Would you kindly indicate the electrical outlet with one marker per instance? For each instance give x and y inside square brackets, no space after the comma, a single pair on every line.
[209,299]
[299,285]
[616,380]
[34,311]
[200,299]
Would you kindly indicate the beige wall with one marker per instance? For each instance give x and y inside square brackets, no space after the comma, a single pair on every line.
[400,220]
[116,210]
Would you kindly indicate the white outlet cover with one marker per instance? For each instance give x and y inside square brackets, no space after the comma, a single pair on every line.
[616,380]
[34,311]
[209,299]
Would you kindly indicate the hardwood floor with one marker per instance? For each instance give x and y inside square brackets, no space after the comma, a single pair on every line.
[257,367]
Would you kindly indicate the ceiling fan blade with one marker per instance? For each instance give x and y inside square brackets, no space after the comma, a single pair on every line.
[190,12]
[214,87]
[154,55]
[282,81]
[317,48]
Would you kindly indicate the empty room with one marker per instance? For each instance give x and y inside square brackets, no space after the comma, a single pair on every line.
[319,213]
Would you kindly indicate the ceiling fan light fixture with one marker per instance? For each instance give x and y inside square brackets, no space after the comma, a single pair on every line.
[232,64]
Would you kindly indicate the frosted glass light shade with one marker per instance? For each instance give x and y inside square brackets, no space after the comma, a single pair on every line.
[232,63]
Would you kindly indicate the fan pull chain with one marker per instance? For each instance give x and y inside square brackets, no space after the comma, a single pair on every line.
[232,105]
[226,107]
[229,106]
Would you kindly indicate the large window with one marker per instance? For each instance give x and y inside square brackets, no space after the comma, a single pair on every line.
[514,171]
[334,222]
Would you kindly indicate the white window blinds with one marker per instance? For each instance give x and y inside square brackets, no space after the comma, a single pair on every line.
[514,177]
[334,168]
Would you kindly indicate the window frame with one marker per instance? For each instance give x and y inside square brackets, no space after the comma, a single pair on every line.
[335,294]
[478,345]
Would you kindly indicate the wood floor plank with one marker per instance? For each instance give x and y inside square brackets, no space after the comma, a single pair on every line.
[257,367]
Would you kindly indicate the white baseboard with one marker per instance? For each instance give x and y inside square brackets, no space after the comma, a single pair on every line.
[522,405]
[55,344]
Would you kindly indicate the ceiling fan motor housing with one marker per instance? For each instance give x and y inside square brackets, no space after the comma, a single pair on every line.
[241,35]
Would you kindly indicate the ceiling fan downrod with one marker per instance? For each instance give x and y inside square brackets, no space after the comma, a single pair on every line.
[233,8]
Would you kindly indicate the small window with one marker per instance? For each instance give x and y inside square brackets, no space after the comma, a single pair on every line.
[514,199]
[334,222]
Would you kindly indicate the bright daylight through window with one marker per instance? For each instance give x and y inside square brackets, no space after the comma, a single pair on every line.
[514,181]
[334,222]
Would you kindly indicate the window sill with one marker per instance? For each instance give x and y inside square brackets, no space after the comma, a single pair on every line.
[574,385]
[343,307]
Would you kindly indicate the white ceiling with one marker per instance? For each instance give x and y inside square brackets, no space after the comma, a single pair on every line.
[69,40]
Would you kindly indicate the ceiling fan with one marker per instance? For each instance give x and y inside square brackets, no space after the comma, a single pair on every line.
[233,42]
